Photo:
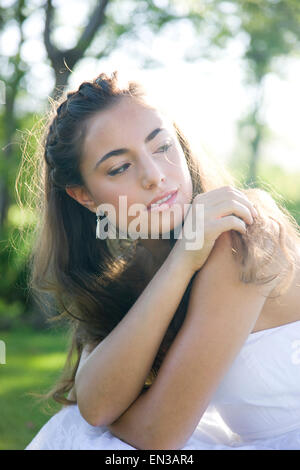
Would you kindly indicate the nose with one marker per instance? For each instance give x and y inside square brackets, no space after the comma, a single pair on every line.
[151,173]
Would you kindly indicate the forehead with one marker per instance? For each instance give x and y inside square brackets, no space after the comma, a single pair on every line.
[124,120]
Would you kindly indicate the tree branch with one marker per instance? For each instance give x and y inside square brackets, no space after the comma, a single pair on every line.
[64,60]
[96,20]
[52,51]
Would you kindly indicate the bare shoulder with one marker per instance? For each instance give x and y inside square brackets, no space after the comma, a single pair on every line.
[221,272]
[221,276]
[221,263]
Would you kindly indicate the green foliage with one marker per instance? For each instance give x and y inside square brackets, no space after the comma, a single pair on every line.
[15,248]
[34,361]
[273,29]
[269,29]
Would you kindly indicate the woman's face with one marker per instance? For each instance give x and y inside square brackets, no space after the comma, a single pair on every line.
[150,163]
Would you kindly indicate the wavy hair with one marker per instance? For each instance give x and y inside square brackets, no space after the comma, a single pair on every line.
[95,282]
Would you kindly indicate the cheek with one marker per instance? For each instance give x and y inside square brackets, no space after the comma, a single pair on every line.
[122,203]
[189,182]
[186,179]
[109,199]
[182,166]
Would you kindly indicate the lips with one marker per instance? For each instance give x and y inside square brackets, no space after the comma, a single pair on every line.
[162,196]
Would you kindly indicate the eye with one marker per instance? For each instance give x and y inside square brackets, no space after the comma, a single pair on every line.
[116,171]
[164,148]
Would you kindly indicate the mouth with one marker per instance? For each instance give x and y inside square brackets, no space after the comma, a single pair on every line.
[164,202]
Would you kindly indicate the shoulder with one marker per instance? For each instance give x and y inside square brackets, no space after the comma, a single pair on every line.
[264,256]
[221,266]
[218,286]
[223,272]
[222,254]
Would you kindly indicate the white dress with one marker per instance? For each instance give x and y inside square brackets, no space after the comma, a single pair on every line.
[256,406]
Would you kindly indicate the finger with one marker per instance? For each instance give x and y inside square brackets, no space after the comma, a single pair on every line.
[231,222]
[214,196]
[236,208]
[243,198]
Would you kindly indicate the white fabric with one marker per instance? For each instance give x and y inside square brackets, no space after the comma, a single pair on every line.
[256,406]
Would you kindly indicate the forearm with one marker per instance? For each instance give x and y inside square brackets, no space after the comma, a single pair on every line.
[212,334]
[113,375]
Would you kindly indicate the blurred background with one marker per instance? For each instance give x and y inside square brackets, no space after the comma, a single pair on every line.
[228,71]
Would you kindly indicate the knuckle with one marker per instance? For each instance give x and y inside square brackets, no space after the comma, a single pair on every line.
[234,204]
[231,218]
[235,220]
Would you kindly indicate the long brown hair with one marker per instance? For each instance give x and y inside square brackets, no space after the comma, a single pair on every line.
[95,282]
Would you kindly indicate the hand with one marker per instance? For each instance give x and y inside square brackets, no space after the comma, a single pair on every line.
[225,209]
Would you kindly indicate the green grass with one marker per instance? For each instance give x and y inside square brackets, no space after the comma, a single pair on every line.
[34,360]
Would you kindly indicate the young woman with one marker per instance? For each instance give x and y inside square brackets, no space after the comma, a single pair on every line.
[163,334]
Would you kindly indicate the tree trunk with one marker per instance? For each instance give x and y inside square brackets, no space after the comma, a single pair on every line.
[255,143]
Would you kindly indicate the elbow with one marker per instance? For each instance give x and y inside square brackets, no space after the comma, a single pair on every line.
[94,414]
[89,415]
[93,408]
[92,418]
[87,412]
[90,411]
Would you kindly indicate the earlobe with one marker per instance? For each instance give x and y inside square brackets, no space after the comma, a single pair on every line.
[75,193]
[80,195]
[70,191]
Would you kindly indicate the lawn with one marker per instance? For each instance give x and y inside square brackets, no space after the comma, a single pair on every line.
[34,359]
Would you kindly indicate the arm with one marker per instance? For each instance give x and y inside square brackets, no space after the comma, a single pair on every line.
[222,312]
[113,375]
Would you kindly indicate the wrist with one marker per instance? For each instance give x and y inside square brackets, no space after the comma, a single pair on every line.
[178,256]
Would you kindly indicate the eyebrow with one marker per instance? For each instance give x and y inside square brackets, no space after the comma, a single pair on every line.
[117,152]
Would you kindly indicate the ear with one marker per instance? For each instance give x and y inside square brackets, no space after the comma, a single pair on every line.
[82,195]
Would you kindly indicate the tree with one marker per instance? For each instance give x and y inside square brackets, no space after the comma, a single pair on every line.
[64,60]
[9,118]
[271,30]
